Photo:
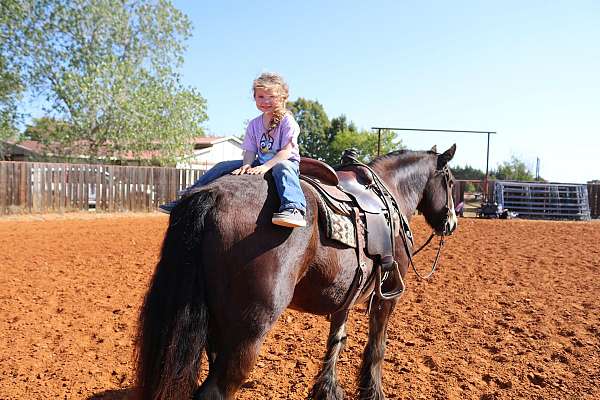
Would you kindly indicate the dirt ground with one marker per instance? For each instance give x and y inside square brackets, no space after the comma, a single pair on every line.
[512,313]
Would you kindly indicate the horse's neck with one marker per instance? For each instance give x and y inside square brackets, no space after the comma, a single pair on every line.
[406,183]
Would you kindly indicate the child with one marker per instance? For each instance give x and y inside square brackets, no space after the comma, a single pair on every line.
[271,143]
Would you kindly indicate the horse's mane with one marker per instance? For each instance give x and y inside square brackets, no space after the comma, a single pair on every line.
[406,169]
[403,153]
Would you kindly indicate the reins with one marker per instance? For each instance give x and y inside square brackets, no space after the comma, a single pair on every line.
[437,256]
[445,173]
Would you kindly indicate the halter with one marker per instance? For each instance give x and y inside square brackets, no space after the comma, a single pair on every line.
[445,172]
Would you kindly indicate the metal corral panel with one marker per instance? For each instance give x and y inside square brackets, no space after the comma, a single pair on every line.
[544,200]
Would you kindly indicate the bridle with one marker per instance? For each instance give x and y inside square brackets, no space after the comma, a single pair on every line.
[445,172]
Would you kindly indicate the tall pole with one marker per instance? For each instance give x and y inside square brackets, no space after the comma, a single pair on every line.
[487,160]
[487,170]
[378,142]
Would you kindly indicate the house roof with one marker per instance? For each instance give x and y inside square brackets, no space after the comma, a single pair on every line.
[30,146]
[208,141]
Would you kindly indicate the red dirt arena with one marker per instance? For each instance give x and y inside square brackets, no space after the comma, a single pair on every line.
[511,313]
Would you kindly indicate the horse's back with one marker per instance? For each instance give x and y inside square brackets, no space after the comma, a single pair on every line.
[243,251]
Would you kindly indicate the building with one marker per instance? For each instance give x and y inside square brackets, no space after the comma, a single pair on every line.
[26,150]
[210,150]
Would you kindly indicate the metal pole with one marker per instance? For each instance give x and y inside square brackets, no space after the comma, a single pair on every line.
[487,160]
[487,165]
[378,142]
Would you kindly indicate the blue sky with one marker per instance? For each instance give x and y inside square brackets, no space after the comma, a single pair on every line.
[527,70]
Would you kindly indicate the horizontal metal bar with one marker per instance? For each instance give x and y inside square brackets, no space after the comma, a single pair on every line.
[538,184]
[430,130]
[516,207]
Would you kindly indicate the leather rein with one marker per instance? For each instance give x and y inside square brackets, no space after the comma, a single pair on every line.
[445,172]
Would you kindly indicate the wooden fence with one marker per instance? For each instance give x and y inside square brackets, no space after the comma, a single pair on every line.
[29,187]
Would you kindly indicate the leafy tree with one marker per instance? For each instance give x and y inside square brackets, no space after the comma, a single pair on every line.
[326,140]
[467,172]
[10,89]
[46,130]
[365,142]
[314,124]
[11,85]
[514,169]
[108,69]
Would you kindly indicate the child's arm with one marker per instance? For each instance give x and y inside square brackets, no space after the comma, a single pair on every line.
[247,161]
[281,155]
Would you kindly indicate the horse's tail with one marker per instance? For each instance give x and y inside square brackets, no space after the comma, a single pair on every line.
[173,322]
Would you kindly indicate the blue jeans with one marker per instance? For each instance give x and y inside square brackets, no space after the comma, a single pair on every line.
[286,175]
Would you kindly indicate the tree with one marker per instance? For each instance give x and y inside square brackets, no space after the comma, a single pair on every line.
[314,124]
[514,169]
[10,91]
[468,173]
[11,85]
[326,140]
[365,142]
[46,130]
[108,69]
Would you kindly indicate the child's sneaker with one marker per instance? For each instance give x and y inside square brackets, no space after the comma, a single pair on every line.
[292,218]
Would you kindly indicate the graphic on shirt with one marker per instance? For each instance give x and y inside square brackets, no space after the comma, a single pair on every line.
[266,143]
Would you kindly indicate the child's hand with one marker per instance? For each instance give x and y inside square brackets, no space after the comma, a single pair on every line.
[258,170]
[242,170]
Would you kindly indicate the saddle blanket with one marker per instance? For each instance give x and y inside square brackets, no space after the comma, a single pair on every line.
[339,227]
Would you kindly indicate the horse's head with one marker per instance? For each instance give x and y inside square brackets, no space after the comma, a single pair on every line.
[437,204]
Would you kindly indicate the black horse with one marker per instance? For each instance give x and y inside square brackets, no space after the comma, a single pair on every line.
[226,273]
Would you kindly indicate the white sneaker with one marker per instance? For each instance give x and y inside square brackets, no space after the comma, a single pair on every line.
[291,218]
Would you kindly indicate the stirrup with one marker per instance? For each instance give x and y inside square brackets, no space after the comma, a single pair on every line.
[397,291]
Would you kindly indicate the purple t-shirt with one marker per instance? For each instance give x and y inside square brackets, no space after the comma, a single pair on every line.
[266,146]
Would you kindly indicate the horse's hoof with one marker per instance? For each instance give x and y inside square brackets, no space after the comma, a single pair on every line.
[326,392]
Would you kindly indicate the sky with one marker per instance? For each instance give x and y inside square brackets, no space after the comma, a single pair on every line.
[527,70]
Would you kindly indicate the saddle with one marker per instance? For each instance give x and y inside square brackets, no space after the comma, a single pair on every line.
[353,191]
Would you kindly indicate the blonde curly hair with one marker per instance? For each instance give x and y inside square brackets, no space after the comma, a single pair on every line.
[275,83]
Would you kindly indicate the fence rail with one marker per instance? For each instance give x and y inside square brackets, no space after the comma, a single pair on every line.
[30,187]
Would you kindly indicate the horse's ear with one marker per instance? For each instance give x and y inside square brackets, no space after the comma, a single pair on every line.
[446,156]
[433,149]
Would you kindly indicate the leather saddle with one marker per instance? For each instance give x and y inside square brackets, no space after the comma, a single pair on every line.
[352,190]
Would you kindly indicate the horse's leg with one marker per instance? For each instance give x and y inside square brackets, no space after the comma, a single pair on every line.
[228,371]
[370,371]
[234,350]
[326,386]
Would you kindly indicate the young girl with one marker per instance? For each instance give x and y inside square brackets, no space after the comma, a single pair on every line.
[271,143]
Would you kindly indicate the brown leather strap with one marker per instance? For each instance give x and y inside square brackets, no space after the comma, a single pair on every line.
[358,284]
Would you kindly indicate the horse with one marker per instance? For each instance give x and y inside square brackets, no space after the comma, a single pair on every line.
[226,273]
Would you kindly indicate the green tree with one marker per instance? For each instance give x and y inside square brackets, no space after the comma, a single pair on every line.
[365,142]
[46,130]
[10,92]
[314,124]
[108,69]
[11,84]
[467,172]
[514,169]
